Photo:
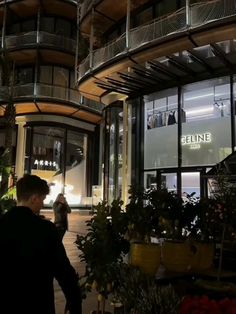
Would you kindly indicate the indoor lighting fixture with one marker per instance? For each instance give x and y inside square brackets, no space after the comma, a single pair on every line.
[199,111]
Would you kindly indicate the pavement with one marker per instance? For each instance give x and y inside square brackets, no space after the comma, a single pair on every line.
[77,225]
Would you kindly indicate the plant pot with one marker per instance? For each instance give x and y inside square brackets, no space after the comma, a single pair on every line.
[145,256]
[187,256]
[204,256]
[177,256]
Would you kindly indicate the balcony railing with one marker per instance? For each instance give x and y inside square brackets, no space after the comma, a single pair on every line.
[199,14]
[9,1]
[32,90]
[33,38]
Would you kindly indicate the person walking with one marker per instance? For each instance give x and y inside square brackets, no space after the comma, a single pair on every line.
[61,210]
[32,255]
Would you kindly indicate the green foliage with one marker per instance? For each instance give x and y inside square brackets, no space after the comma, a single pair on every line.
[140,293]
[103,247]
[141,215]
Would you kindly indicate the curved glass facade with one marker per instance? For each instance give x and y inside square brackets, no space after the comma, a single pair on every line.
[59,156]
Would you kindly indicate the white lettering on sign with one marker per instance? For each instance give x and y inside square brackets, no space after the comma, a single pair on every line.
[46,163]
[194,140]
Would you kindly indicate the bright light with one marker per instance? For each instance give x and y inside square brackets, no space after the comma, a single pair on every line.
[198,111]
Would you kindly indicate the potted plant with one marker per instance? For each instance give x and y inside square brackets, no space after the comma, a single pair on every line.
[103,249]
[143,227]
[177,220]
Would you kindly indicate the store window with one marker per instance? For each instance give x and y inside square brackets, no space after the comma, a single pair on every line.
[206,131]
[113,149]
[160,129]
[59,156]
[47,158]
[75,175]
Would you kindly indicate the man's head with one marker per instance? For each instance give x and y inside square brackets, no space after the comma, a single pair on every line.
[31,192]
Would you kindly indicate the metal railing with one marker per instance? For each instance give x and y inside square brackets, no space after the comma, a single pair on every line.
[32,90]
[199,14]
[9,1]
[33,38]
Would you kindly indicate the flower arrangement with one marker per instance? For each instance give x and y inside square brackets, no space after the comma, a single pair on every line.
[205,305]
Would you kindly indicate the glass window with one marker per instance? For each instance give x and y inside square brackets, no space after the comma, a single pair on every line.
[165,7]
[25,75]
[63,27]
[47,158]
[47,24]
[160,130]
[169,181]
[144,16]
[206,128]
[61,77]
[115,145]
[13,29]
[45,74]
[190,183]
[75,178]
[150,179]
[28,26]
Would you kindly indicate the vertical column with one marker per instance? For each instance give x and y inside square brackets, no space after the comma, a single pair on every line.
[187,8]
[4,26]
[126,153]
[128,25]
[77,40]
[38,27]
[91,40]
[20,150]
[36,67]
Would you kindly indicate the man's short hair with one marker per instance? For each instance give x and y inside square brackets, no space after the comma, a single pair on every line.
[29,185]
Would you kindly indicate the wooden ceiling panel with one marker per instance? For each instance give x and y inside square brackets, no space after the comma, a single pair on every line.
[56,108]
[2,110]
[25,108]
[25,8]
[23,56]
[87,116]
[60,8]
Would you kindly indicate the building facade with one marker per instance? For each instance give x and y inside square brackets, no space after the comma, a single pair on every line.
[165,71]
[57,130]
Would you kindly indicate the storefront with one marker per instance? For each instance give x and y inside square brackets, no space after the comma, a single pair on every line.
[61,154]
[187,130]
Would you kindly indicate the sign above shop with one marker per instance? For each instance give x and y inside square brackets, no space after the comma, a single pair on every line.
[46,163]
[194,140]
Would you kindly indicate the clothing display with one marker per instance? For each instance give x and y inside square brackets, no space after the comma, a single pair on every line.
[164,118]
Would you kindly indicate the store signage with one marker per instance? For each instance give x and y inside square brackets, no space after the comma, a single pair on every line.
[45,163]
[194,140]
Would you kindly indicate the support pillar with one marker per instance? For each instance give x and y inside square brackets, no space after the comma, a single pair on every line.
[20,150]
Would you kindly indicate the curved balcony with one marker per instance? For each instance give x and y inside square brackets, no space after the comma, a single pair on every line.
[40,38]
[23,8]
[148,36]
[44,92]
[105,8]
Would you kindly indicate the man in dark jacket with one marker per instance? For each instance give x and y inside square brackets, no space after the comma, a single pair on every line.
[32,255]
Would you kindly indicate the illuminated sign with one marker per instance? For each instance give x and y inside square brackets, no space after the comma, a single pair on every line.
[194,140]
[46,163]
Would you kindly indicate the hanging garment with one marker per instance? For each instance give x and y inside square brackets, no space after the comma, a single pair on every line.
[171,118]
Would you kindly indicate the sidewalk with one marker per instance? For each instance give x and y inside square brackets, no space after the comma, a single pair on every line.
[76,225]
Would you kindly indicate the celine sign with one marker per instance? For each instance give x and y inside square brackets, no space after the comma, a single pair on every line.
[194,140]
